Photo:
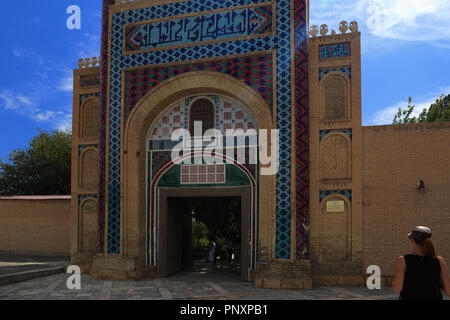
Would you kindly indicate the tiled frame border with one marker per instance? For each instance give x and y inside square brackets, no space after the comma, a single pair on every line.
[103,110]
[301,107]
[301,114]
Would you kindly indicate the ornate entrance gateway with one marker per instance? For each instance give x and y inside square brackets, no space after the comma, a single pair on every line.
[238,64]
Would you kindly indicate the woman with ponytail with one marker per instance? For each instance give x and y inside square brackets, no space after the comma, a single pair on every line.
[422,274]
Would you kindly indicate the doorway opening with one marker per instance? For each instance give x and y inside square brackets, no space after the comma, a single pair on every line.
[204,235]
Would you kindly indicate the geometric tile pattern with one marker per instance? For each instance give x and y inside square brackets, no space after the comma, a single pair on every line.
[324,72]
[346,193]
[284,121]
[335,50]
[173,118]
[203,174]
[280,43]
[159,160]
[256,71]
[193,30]
[302,240]
[229,114]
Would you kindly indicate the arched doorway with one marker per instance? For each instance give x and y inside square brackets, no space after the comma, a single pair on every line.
[135,185]
[168,180]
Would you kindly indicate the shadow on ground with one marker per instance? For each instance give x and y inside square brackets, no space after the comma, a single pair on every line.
[12,265]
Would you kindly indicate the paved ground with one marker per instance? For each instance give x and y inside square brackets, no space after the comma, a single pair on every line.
[201,283]
[16,265]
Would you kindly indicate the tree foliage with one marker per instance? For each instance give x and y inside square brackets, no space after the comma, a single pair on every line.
[42,168]
[438,112]
[217,219]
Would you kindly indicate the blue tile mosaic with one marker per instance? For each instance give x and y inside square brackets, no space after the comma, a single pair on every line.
[335,50]
[324,133]
[346,193]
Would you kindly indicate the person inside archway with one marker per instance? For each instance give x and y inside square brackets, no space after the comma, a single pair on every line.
[212,251]
[422,274]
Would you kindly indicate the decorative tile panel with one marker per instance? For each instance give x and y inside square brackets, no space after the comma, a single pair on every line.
[255,71]
[203,174]
[229,114]
[335,50]
[324,133]
[301,131]
[102,124]
[346,193]
[197,28]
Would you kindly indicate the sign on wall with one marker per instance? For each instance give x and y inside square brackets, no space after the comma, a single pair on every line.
[335,206]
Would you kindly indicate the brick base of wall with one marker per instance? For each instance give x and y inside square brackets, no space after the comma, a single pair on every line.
[284,275]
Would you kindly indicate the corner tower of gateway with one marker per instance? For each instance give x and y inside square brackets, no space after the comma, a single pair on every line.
[238,64]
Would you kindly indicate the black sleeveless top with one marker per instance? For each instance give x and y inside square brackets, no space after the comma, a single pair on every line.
[422,279]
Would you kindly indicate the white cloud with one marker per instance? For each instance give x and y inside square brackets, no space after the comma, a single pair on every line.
[65,122]
[24,100]
[10,102]
[27,106]
[386,115]
[66,84]
[426,20]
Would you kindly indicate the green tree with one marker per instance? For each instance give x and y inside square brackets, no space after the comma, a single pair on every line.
[42,168]
[438,112]
[403,116]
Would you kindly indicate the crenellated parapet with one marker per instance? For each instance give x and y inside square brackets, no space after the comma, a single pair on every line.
[89,62]
[344,27]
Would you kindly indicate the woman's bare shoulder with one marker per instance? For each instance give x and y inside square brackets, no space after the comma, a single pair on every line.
[441,259]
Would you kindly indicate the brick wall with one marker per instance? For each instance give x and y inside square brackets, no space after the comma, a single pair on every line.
[35,226]
[395,159]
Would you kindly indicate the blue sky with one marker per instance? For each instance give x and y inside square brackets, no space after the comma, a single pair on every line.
[405,52]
